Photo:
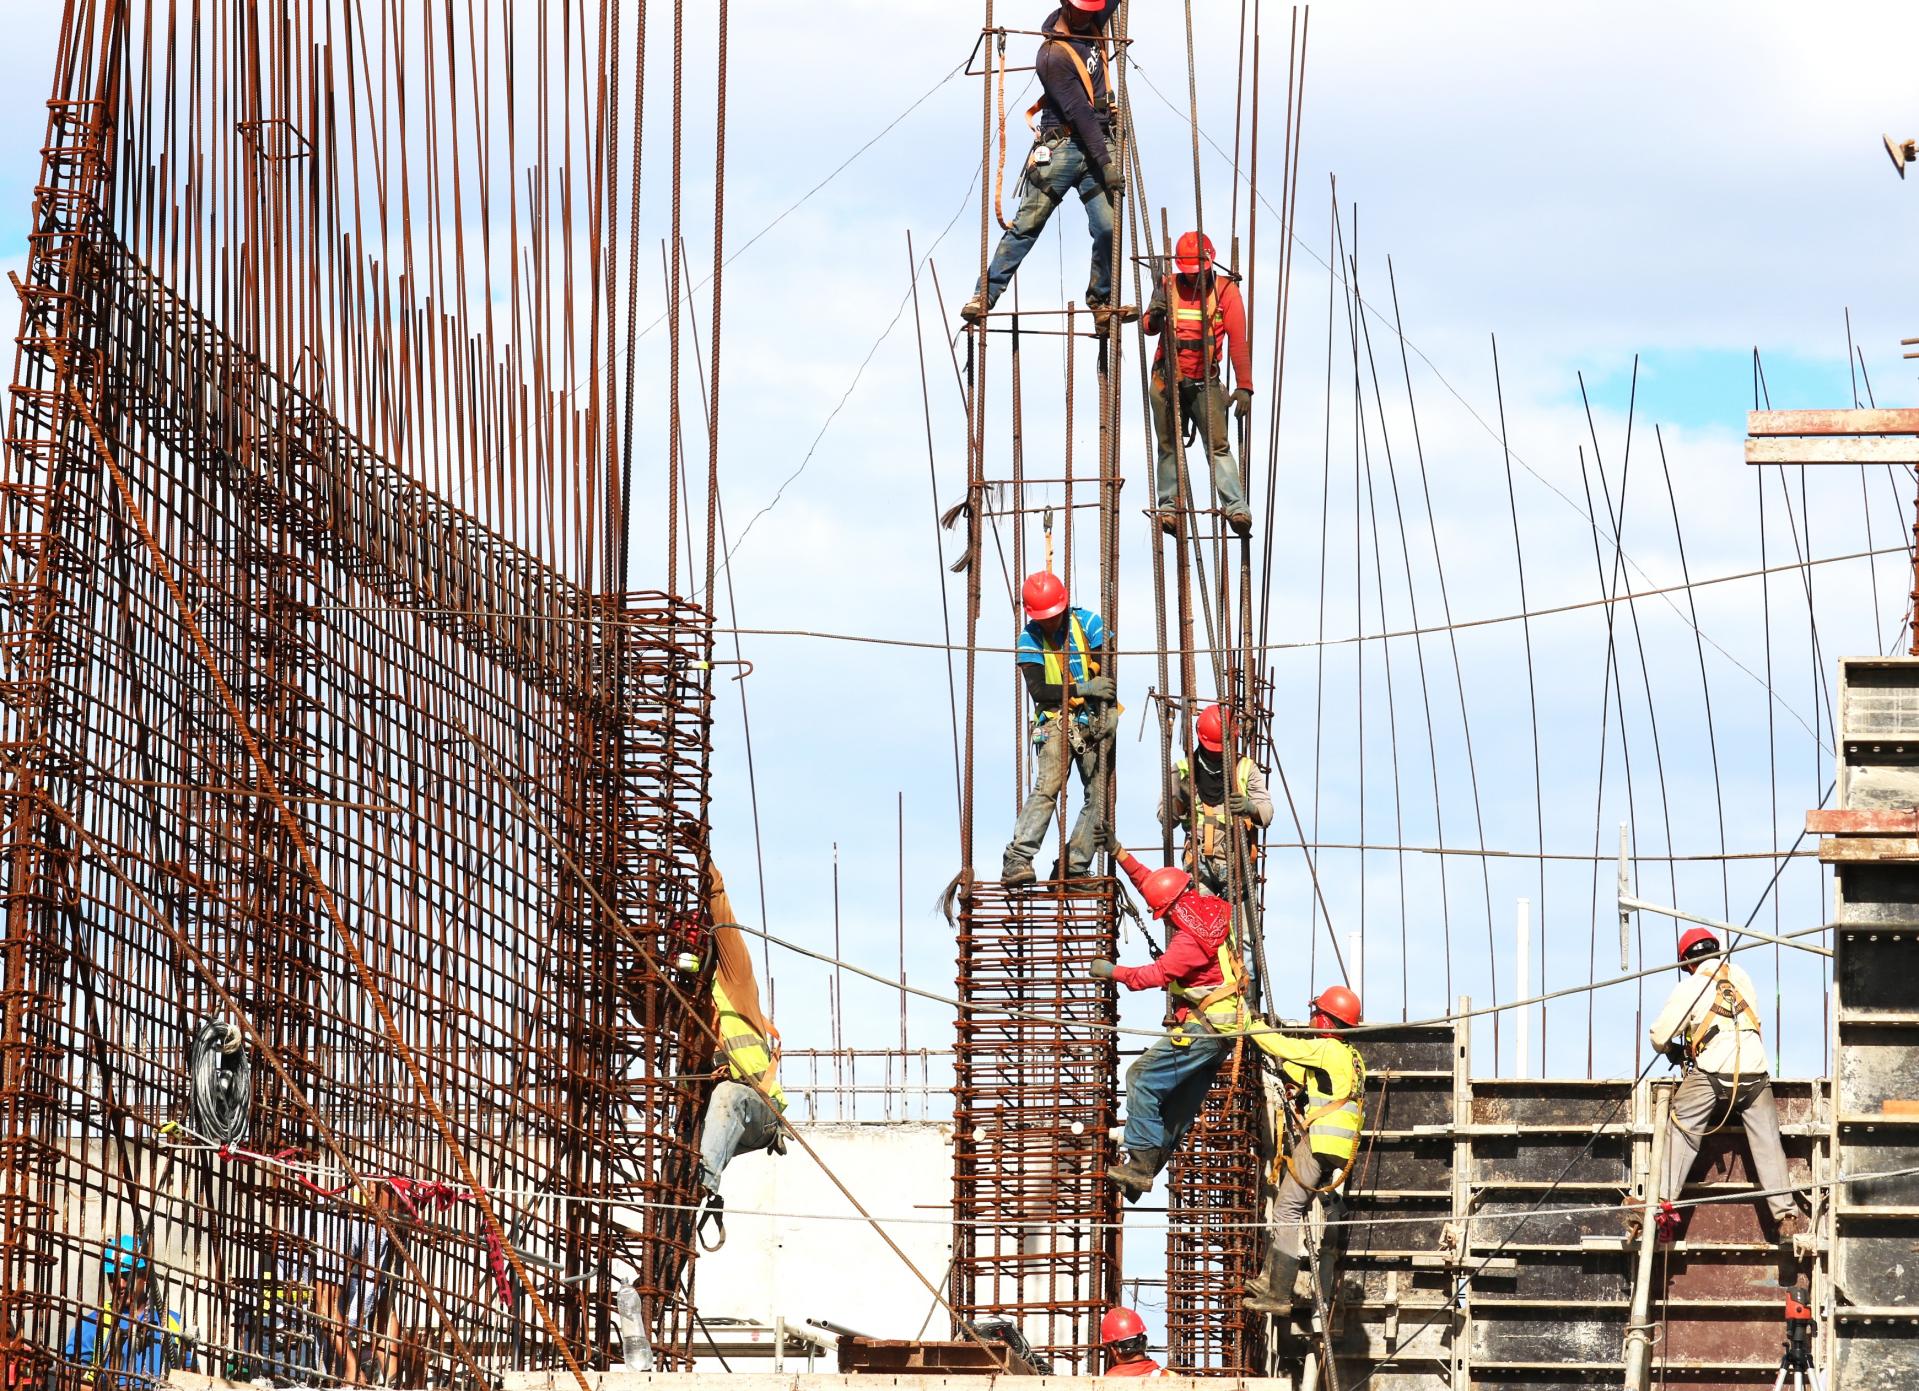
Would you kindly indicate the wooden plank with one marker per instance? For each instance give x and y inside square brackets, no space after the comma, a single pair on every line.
[1879,821]
[1841,449]
[1895,421]
[1840,850]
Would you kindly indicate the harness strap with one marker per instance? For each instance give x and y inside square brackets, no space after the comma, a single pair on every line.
[1085,73]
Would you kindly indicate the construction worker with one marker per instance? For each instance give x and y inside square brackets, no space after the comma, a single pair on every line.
[1166,1085]
[744,1111]
[1123,1335]
[1204,306]
[357,1309]
[1325,1080]
[1074,149]
[1058,654]
[134,1343]
[1709,1024]
[1209,833]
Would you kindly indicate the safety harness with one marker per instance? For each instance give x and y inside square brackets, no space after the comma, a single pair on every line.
[1213,822]
[750,1057]
[1728,1005]
[1058,664]
[1062,37]
[1193,320]
[1330,1124]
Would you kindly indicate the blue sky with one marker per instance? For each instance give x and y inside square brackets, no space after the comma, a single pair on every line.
[1587,181]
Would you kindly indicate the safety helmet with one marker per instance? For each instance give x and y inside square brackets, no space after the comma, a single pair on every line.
[1338,1004]
[1087,4]
[1697,941]
[1043,594]
[123,1256]
[1163,887]
[1193,254]
[1210,729]
[1119,1325]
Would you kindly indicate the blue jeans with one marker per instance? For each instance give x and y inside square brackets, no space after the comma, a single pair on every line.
[1204,402]
[1051,753]
[1166,1086]
[738,1119]
[1046,187]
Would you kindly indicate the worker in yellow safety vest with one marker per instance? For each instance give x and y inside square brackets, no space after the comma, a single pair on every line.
[1325,1080]
[744,1112]
[1709,1024]
[1200,797]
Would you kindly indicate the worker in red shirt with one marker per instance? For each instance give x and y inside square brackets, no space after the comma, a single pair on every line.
[1200,969]
[1123,1334]
[1199,305]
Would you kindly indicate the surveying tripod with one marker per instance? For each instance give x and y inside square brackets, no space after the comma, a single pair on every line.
[1797,1357]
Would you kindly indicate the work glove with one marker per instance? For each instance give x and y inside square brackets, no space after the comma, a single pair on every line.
[1243,402]
[1112,180]
[1238,805]
[1155,319]
[1099,688]
[1101,970]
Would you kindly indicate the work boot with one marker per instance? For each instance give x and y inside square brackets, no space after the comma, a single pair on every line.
[1271,1291]
[974,309]
[1241,522]
[1167,520]
[1103,314]
[1017,873]
[1791,1225]
[1136,1175]
[1632,1217]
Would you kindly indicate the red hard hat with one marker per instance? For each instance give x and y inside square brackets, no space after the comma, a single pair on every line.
[1119,1325]
[1693,937]
[1339,1004]
[1209,729]
[1043,594]
[1193,254]
[1088,5]
[1163,886]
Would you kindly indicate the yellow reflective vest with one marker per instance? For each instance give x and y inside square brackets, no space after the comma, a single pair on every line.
[749,1057]
[1213,840]
[1333,1077]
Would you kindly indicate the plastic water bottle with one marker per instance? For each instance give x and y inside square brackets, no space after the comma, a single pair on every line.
[634,1345]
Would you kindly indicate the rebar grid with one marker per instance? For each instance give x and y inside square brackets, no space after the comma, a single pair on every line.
[1215,1178]
[470,787]
[1033,1102]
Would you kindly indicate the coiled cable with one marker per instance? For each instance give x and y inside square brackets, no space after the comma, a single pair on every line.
[220,1081]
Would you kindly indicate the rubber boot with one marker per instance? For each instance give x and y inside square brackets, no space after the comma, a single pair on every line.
[1271,1291]
[1136,1175]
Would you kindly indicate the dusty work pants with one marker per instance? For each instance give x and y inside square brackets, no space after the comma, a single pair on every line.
[1205,402]
[1295,1200]
[1166,1087]
[1047,184]
[1053,751]
[1701,1102]
[738,1120]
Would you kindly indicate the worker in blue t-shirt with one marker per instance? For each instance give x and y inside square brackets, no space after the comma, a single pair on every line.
[140,1344]
[1059,656]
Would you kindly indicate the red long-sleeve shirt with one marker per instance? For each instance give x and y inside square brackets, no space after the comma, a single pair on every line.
[1232,310]
[1191,959]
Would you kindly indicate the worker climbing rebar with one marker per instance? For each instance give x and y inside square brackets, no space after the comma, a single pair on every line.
[128,1342]
[1075,148]
[1058,654]
[743,1113]
[1204,311]
[1325,1082]
[1201,797]
[1200,968]
[1709,1026]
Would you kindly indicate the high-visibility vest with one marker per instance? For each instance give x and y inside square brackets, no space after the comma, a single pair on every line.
[1192,319]
[749,1058]
[1333,1105]
[1213,840]
[1727,1004]
[1058,662]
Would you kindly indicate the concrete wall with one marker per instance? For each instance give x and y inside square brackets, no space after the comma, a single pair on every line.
[840,1270]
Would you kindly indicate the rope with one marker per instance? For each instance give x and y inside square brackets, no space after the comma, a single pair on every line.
[219,1081]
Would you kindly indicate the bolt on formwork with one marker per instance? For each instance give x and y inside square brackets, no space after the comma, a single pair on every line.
[294,744]
[1034,1098]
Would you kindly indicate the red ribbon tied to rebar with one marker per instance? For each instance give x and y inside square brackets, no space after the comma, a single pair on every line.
[1666,1222]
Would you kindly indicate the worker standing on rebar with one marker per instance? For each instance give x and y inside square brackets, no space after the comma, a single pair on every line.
[1200,797]
[1058,655]
[1204,310]
[1123,1334]
[1075,148]
[1710,1024]
[133,1343]
[1200,969]
[1325,1082]
[744,1112]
